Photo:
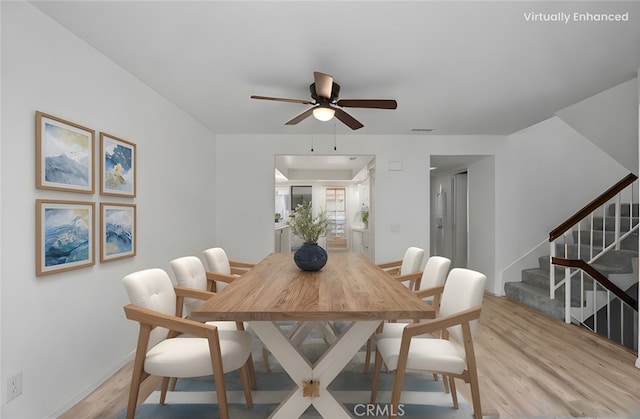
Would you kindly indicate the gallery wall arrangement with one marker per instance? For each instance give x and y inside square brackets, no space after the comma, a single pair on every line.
[65,228]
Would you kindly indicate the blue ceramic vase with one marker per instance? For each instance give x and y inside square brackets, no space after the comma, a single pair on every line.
[310,257]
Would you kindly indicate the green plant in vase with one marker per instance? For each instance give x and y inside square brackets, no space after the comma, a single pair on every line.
[310,256]
[305,225]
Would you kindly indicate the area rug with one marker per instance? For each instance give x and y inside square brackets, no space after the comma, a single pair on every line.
[195,398]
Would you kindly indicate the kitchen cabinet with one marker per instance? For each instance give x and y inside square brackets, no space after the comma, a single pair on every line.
[360,241]
[282,239]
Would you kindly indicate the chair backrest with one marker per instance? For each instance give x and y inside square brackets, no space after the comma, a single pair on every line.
[189,272]
[412,260]
[435,272]
[463,289]
[217,260]
[152,289]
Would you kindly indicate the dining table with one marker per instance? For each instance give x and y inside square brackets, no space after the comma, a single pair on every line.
[350,288]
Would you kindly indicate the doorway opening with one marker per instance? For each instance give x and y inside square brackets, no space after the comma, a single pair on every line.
[450,207]
[340,185]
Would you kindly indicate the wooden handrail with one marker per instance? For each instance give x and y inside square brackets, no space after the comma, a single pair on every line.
[592,206]
[603,280]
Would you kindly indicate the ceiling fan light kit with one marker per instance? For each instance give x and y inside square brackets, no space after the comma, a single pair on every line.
[322,113]
[325,92]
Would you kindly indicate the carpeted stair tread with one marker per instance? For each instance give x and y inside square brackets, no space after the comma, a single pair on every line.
[572,251]
[544,262]
[539,278]
[610,223]
[625,209]
[630,242]
[536,298]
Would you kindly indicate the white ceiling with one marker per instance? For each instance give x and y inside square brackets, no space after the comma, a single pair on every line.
[456,67]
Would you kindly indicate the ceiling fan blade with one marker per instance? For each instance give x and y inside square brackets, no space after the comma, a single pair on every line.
[368,103]
[347,119]
[300,117]
[280,99]
[324,84]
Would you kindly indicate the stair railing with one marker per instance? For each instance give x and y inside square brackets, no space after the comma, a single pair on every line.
[568,236]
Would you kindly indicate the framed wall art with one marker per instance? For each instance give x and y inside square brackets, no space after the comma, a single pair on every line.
[117,166]
[64,235]
[117,231]
[64,155]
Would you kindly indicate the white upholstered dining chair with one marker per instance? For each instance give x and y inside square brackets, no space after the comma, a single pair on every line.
[453,354]
[408,268]
[190,273]
[222,270]
[161,351]
[429,288]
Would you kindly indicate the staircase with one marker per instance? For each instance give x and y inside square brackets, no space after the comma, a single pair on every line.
[583,238]
[620,266]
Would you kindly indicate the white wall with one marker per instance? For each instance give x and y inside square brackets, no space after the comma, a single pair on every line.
[544,174]
[482,219]
[609,120]
[533,171]
[67,332]
[244,169]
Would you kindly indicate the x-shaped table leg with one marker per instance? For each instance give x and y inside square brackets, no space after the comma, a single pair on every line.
[324,371]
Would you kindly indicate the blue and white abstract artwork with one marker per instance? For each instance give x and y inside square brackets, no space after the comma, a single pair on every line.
[118,177]
[66,236]
[66,156]
[118,227]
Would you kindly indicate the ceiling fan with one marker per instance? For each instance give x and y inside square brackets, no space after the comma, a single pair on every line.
[326,105]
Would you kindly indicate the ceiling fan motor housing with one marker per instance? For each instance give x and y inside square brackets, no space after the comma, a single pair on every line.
[335,93]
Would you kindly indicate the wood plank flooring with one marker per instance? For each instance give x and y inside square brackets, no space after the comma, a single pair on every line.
[530,365]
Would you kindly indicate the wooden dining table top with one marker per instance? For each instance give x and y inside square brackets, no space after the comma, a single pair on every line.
[349,287]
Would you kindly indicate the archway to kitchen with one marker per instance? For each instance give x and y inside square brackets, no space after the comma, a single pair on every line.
[341,185]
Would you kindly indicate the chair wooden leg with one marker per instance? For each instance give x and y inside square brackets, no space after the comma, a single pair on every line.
[174,383]
[218,375]
[367,358]
[163,392]
[245,380]
[445,381]
[252,373]
[396,391]
[265,359]
[435,377]
[221,392]
[138,375]
[475,393]
[136,379]
[454,393]
[376,378]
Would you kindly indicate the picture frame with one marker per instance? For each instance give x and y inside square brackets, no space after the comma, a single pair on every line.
[117,231]
[65,152]
[65,237]
[117,166]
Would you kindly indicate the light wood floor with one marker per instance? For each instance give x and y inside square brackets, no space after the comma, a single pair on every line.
[530,365]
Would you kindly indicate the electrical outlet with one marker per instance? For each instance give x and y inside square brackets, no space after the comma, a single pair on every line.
[14,386]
